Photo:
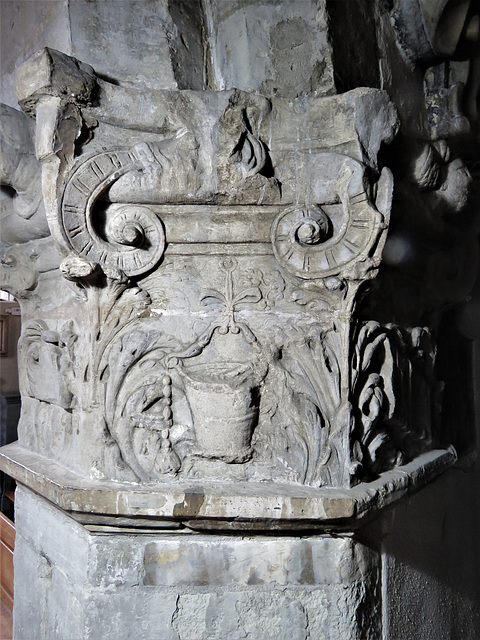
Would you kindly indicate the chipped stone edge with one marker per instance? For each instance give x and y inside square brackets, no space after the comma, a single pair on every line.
[215,506]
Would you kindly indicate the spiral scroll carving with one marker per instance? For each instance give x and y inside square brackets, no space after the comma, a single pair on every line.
[126,237]
[135,238]
[342,237]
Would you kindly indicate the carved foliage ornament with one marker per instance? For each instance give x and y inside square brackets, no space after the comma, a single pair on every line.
[246,379]
[228,399]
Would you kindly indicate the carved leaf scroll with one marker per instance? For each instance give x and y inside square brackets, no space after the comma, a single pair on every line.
[301,398]
[134,381]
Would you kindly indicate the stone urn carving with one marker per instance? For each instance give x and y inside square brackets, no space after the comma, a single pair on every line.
[224,404]
[223,394]
[198,293]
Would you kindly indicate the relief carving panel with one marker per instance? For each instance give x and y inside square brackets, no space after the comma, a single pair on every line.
[208,274]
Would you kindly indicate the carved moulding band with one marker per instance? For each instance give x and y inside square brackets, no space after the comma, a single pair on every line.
[130,238]
[234,506]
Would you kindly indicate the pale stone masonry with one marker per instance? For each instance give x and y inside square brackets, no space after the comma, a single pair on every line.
[233,264]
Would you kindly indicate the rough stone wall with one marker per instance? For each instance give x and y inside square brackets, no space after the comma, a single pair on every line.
[276,48]
[26,29]
[123,40]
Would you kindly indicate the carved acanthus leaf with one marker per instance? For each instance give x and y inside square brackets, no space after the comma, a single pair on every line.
[389,368]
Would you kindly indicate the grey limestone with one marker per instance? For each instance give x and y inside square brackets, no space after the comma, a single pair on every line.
[150,585]
[255,209]
[190,320]
[281,48]
[238,232]
[216,506]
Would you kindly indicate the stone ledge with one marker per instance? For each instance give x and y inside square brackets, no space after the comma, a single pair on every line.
[215,506]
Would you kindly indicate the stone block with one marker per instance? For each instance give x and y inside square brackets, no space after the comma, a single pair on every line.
[120,584]
[252,561]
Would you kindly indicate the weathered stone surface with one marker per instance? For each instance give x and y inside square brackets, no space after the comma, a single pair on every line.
[280,48]
[267,216]
[52,73]
[154,43]
[199,351]
[255,224]
[216,506]
[250,561]
[23,33]
[429,29]
[430,561]
[129,42]
[311,586]
[22,213]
